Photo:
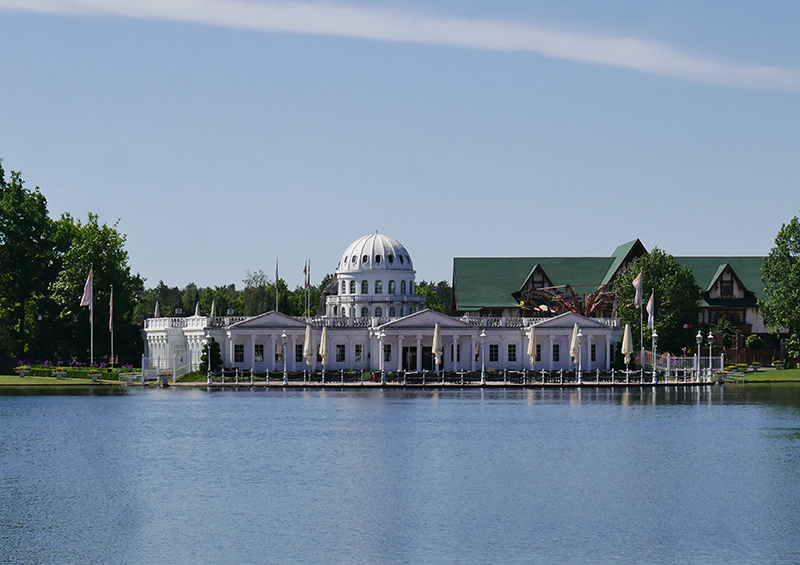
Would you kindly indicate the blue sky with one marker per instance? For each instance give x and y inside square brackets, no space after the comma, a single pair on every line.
[228,135]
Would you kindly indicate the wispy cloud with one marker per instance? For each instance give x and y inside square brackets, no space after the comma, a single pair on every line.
[381,24]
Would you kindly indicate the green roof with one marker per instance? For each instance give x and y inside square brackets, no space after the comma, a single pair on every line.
[490,282]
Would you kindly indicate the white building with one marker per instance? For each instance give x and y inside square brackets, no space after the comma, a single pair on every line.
[375,322]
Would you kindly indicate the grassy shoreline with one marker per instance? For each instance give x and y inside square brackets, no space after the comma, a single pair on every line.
[9,380]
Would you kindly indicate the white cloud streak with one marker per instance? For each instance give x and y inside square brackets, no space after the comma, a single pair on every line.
[394,25]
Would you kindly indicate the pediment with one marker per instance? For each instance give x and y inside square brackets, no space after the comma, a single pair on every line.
[270,320]
[427,319]
[568,320]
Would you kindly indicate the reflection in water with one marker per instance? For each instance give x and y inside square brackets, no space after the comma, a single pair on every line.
[597,474]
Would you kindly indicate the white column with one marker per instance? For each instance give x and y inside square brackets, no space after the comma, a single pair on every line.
[252,352]
[608,352]
[588,366]
[552,342]
[230,350]
[293,364]
[473,345]
[455,352]
[399,353]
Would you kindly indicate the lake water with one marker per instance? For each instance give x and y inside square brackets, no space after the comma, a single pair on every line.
[456,476]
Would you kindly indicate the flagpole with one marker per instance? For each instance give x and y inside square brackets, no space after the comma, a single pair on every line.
[276,285]
[91,321]
[111,322]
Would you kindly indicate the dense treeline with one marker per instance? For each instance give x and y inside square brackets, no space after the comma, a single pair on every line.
[44,263]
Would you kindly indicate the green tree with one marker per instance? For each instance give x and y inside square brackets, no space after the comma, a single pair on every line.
[781,275]
[725,331]
[256,294]
[432,300]
[100,247]
[216,356]
[28,259]
[677,298]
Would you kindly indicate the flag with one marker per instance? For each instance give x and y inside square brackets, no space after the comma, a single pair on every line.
[86,299]
[305,274]
[637,284]
[111,310]
[276,276]
[651,310]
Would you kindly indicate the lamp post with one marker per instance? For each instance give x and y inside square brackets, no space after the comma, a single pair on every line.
[382,353]
[580,348]
[655,345]
[483,357]
[710,346]
[208,358]
[285,374]
[699,339]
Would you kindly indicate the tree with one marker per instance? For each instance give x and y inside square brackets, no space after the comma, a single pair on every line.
[432,300]
[677,298]
[100,247]
[725,331]
[781,275]
[28,257]
[216,356]
[256,294]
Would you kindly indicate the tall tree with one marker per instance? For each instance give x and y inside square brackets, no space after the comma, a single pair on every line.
[28,257]
[781,275]
[677,300]
[101,247]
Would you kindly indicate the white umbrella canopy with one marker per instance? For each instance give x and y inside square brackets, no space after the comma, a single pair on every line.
[437,344]
[213,309]
[197,309]
[308,348]
[323,345]
[532,345]
[157,311]
[573,346]
[627,344]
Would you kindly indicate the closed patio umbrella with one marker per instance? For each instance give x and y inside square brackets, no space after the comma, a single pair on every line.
[437,345]
[213,309]
[627,344]
[532,345]
[573,346]
[308,349]
[323,346]
[157,311]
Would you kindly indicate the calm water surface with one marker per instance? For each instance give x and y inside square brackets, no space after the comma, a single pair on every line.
[622,475]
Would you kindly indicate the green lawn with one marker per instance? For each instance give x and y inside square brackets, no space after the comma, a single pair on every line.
[776,375]
[45,381]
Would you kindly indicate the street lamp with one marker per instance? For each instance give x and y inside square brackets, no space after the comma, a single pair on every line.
[285,374]
[381,337]
[655,357]
[483,357]
[710,346]
[699,339]
[580,347]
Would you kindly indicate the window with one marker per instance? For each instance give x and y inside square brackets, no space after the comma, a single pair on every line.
[611,351]
[387,350]
[593,353]
[278,353]
[458,353]
[364,312]
[298,353]
[359,353]
[512,352]
[340,353]
[259,353]
[494,353]
[390,257]
[538,352]
[392,287]
[556,352]
[352,287]
[477,353]
[401,259]
[378,312]
[402,287]
[238,353]
[364,287]
[344,287]
[391,312]
[726,289]
[377,258]
[411,287]
[365,258]
[334,310]
[378,287]
[401,311]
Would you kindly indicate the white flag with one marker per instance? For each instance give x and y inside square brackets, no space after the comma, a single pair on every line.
[651,311]
[637,284]
[86,299]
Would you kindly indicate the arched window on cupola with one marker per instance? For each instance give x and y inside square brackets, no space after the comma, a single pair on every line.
[344,287]
[402,287]
[352,287]
[392,287]
[378,287]
[364,287]
[364,312]
[391,312]
[378,312]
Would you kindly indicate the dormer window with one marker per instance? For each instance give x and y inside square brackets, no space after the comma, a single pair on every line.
[726,289]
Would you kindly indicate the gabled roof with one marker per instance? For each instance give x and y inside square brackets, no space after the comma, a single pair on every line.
[622,255]
[270,319]
[568,319]
[708,269]
[427,319]
[490,282]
